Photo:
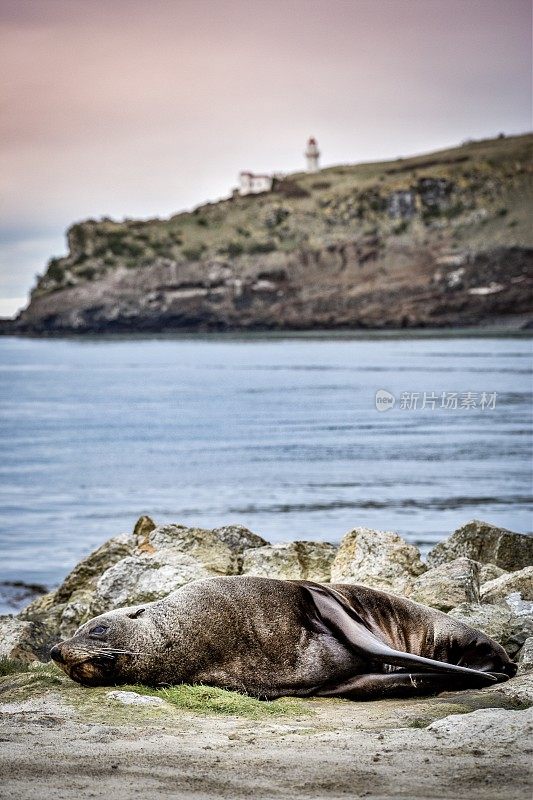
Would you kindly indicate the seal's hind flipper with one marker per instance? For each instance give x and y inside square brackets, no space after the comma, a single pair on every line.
[336,614]
[379,686]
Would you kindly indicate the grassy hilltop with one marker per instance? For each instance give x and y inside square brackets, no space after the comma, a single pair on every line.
[350,246]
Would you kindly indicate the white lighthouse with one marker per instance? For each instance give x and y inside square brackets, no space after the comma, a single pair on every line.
[312,154]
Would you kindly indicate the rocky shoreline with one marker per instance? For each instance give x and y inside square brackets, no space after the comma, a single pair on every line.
[482,575]
[474,744]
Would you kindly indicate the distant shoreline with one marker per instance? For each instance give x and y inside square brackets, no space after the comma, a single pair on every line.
[519,326]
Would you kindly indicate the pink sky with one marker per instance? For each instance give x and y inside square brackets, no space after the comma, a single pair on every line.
[125,108]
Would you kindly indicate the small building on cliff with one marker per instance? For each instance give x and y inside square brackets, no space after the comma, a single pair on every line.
[249,183]
[252,183]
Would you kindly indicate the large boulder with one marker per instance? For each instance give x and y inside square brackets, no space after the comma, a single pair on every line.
[141,579]
[381,559]
[166,558]
[291,561]
[510,582]
[487,543]
[219,551]
[24,641]
[145,565]
[507,623]
[447,586]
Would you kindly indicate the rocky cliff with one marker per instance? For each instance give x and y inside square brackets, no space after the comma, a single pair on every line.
[437,240]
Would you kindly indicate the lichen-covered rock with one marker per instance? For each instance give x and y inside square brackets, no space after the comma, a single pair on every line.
[447,586]
[498,589]
[166,558]
[291,561]
[75,612]
[24,641]
[487,543]
[381,559]
[525,657]
[506,625]
[316,559]
[488,572]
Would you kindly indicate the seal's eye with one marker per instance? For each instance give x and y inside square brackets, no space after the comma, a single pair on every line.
[98,630]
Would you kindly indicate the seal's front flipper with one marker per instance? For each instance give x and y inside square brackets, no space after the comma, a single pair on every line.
[380,686]
[337,615]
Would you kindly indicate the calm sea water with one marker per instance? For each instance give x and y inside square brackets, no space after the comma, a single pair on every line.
[280,434]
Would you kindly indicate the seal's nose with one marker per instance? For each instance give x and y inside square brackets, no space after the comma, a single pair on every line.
[56,654]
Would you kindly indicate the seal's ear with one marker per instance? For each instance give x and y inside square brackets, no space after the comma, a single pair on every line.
[138,613]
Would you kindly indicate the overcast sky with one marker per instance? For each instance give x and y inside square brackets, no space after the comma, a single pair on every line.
[139,108]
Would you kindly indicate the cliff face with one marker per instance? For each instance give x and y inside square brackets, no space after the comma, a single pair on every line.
[439,240]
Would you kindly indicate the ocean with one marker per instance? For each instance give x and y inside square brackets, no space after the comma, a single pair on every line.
[277,432]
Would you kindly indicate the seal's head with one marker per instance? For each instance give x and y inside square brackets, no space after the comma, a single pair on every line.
[103,651]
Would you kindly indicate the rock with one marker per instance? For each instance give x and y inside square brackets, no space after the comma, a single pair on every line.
[291,561]
[483,542]
[143,526]
[316,559]
[521,607]
[85,574]
[134,699]
[483,725]
[219,551]
[510,582]
[24,641]
[142,578]
[380,559]
[143,566]
[275,561]
[447,586]
[525,657]
[488,572]
[501,622]
[168,557]
[64,609]
[518,691]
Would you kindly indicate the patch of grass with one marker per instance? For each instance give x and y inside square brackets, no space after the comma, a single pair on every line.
[255,247]
[194,252]
[10,666]
[210,700]
[232,249]
[401,227]
[55,269]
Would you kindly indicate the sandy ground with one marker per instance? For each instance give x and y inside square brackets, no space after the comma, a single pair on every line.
[463,745]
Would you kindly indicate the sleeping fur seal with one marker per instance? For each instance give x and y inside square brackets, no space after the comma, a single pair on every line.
[270,638]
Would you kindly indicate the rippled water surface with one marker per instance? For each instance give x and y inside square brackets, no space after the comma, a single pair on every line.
[279,434]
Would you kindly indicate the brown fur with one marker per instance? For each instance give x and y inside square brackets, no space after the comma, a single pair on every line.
[271,638]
